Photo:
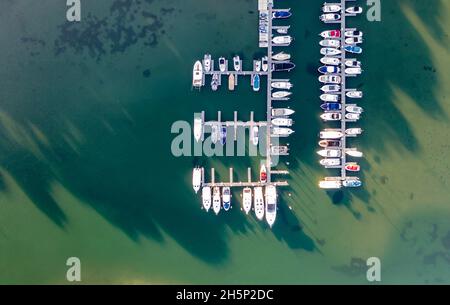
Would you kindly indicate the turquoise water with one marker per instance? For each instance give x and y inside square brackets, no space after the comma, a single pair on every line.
[87,171]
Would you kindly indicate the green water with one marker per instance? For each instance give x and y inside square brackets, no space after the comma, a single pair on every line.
[86,168]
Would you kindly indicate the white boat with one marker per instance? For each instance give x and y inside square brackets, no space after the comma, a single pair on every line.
[352,116]
[353,131]
[354,109]
[353,153]
[206,198]
[198,129]
[222,64]
[216,200]
[330,153]
[333,61]
[286,39]
[353,71]
[197,74]
[331,116]
[330,51]
[279,150]
[330,17]
[353,40]
[257,65]
[207,62]
[352,182]
[332,79]
[265,64]
[259,203]
[282,122]
[226,198]
[331,134]
[353,34]
[237,63]
[330,162]
[326,97]
[215,133]
[197,178]
[283,30]
[281,94]
[330,88]
[254,135]
[354,10]
[330,184]
[331,8]
[352,63]
[282,111]
[215,81]
[280,131]
[332,43]
[281,56]
[247,199]
[354,94]
[271,204]
[281,85]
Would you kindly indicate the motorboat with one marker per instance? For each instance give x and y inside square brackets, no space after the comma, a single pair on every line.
[197,178]
[352,116]
[330,162]
[353,153]
[281,131]
[352,182]
[282,66]
[331,8]
[247,199]
[353,71]
[198,129]
[259,203]
[330,88]
[332,79]
[217,203]
[353,34]
[354,94]
[326,97]
[354,10]
[254,135]
[285,39]
[283,30]
[331,34]
[353,40]
[215,133]
[352,63]
[352,167]
[330,51]
[257,65]
[332,43]
[197,75]
[279,150]
[331,106]
[223,135]
[237,63]
[256,82]
[281,56]
[231,82]
[331,116]
[354,109]
[282,122]
[215,81]
[329,143]
[330,153]
[353,131]
[330,184]
[281,94]
[329,69]
[281,85]
[271,204]
[282,111]
[226,198]
[334,61]
[265,65]
[206,198]
[282,14]
[263,174]
[353,49]
[222,64]
[330,17]
[207,62]
[331,134]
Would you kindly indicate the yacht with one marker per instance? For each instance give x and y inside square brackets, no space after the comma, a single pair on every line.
[352,63]
[353,131]
[331,116]
[354,10]
[352,167]
[330,88]
[197,178]
[331,106]
[332,43]
[282,111]
[226,198]
[237,63]
[215,133]
[281,94]
[264,62]
[331,134]
[330,153]
[223,135]
[271,204]
[282,122]
[231,82]
[353,40]
[206,198]
[286,39]
[207,62]
[330,162]
[352,182]
[257,65]
[222,64]
[326,97]
[354,109]
[353,153]
[330,17]
[331,34]
[330,61]
[247,199]
[216,200]
[281,56]
[197,75]
[352,116]
[256,82]
[215,82]
[331,8]
[329,69]
[281,85]
[330,79]
[283,30]
[263,174]
[329,143]
[353,71]
[282,66]
[353,34]
[259,203]
[330,184]
[353,49]
[198,129]
[254,135]
[354,94]
[279,150]
[330,51]
[281,131]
